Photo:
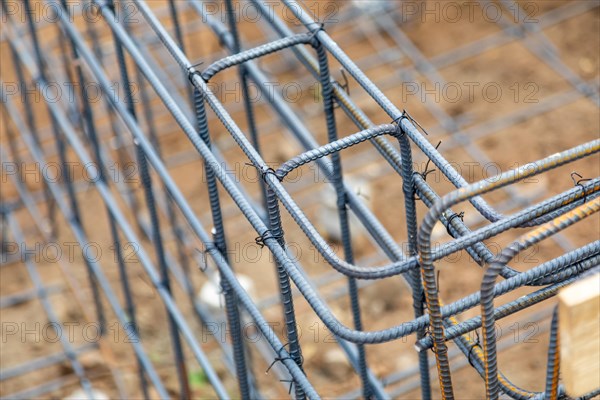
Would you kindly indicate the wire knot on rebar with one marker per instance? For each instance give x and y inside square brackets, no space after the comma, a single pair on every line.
[260,240]
[314,41]
[579,184]
[460,215]
[279,358]
[477,343]
[191,71]
[398,121]
[266,170]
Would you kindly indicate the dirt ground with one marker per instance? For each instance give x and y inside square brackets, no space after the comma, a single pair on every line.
[508,107]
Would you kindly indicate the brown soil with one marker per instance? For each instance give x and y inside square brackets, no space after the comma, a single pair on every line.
[512,66]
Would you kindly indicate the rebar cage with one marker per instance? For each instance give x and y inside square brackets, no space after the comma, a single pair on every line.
[182,268]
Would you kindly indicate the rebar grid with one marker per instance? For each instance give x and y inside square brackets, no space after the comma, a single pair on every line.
[79,130]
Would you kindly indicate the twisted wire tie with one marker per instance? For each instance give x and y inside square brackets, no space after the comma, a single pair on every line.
[478,344]
[265,171]
[281,359]
[406,115]
[291,382]
[192,71]
[203,253]
[460,215]
[399,119]
[345,87]
[427,171]
[427,333]
[578,183]
[260,240]
[313,34]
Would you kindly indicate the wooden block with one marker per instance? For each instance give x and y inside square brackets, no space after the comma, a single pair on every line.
[579,330]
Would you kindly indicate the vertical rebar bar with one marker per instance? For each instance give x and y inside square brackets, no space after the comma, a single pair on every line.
[231,304]
[341,202]
[553,367]
[67,181]
[157,240]
[243,75]
[90,129]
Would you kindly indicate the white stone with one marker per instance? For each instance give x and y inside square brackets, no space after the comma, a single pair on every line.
[328,213]
[336,364]
[210,293]
[80,394]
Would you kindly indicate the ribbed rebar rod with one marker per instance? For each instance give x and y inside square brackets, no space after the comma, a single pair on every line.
[395,268]
[81,238]
[173,219]
[88,123]
[545,51]
[179,36]
[284,283]
[361,120]
[49,310]
[40,60]
[489,278]
[449,123]
[132,201]
[178,198]
[25,197]
[285,290]
[382,238]
[344,223]
[309,230]
[232,20]
[129,234]
[122,159]
[427,268]
[31,123]
[568,275]
[408,188]
[256,52]
[376,94]
[323,312]
[231,305]
[67,179]
[552,369]
[479,251]
[156,236]
[473,353]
